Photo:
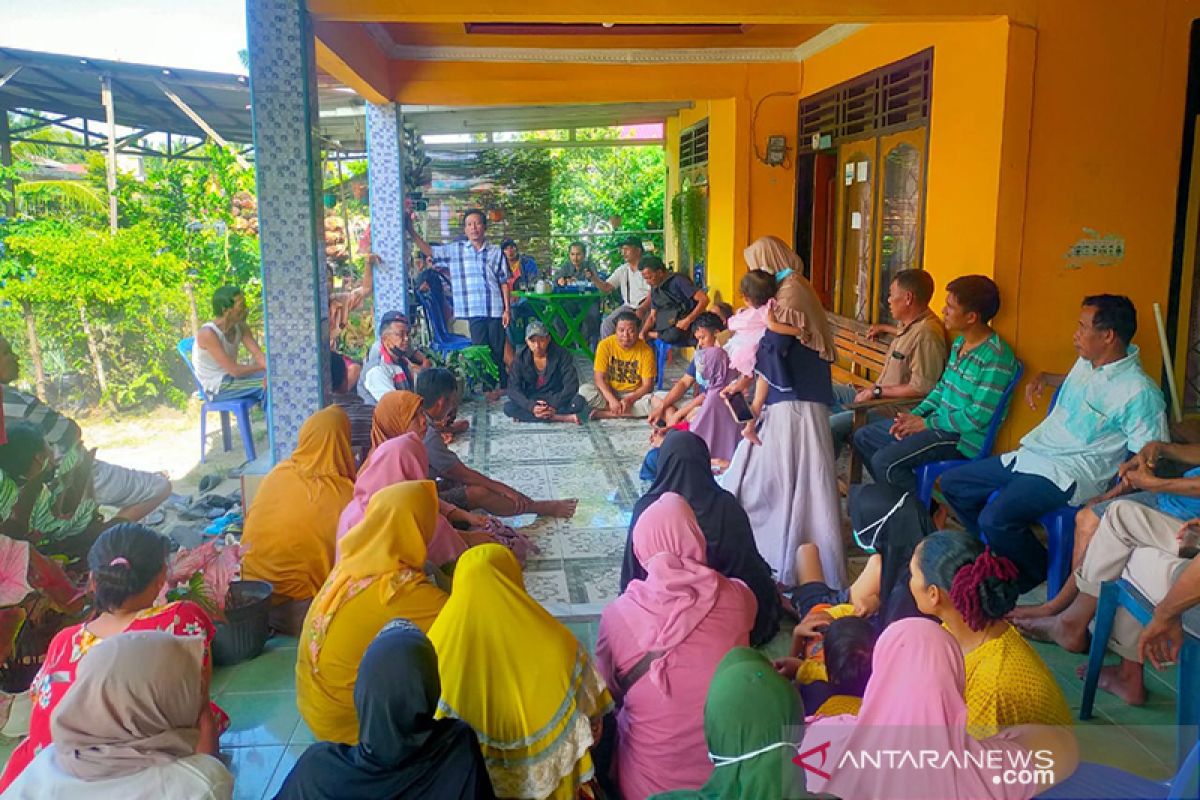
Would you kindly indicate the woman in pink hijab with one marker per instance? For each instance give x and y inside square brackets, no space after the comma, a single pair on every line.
[658,646]
[914,714]
[404,459]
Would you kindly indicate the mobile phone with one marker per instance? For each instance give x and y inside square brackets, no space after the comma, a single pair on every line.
[660,423]
[739,407]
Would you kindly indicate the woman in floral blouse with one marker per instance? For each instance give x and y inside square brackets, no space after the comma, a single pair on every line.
[128,569]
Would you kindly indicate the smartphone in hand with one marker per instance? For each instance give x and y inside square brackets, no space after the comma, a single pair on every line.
[739,407]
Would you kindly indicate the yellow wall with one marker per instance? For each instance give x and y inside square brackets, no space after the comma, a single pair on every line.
[1104,153]
[965,130]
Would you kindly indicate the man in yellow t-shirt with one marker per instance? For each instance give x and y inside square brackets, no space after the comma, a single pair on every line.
[624,373]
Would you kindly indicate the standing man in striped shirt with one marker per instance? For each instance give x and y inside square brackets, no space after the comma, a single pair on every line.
[479,279]
[1107,408]
[952,421]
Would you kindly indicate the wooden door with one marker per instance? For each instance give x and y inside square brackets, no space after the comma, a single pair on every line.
[824,226]
[856,226]
[899,218]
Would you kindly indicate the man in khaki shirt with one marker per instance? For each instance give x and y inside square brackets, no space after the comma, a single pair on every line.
[915,362]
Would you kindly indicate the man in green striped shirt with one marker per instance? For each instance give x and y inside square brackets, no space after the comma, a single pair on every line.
[952,421]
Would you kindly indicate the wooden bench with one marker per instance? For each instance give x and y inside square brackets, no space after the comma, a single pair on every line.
[860,360]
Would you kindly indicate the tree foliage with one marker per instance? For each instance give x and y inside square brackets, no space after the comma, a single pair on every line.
[178,240]
[123,284]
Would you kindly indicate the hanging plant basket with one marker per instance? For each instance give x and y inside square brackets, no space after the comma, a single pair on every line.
[615,222]
[496,215]
[360,190]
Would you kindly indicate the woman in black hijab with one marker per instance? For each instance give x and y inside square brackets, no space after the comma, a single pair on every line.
[402,752]
[685,468]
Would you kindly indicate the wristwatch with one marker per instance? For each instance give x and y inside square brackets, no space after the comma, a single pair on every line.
[877,391]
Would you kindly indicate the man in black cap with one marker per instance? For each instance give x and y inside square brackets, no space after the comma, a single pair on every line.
[628,279]
[543,385]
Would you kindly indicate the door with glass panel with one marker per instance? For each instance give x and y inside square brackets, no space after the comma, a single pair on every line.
[856,227]
[898,234]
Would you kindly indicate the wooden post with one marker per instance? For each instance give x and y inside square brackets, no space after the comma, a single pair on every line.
[10,205]
[111,161]
[35,350]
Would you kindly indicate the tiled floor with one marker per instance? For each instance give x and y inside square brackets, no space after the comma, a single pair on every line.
[575,573]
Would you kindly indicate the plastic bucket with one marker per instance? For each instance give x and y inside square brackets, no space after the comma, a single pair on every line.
[244,631]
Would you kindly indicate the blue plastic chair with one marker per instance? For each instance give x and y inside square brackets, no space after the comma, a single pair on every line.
[1102,782]
[661,351]
[443,340]
[927,474]
[239,407]
[1121,593]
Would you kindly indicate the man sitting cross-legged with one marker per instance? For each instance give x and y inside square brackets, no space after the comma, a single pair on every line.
[458,484]
[1176,497]
[1153,551]
[624,372]
[1107,407]
[542,383]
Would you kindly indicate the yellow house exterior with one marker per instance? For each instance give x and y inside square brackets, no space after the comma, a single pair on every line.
[1048,117]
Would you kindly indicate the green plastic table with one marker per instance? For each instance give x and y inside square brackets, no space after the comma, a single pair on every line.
[564,313]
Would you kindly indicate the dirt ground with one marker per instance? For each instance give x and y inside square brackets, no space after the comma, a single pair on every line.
[167,439]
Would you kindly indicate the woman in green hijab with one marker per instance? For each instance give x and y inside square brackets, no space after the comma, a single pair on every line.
[753,720]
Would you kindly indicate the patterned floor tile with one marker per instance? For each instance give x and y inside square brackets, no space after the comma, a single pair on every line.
[593,580]
[549,586]
[514,447]
[558,447]
[530,479]
[584,542]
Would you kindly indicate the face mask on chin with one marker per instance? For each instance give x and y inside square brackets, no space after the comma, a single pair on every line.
[397,354]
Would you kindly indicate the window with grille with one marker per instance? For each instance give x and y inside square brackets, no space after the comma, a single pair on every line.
[891,98]
[693,146]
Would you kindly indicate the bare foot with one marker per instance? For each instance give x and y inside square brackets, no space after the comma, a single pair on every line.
[1122,680]
[563,509]
[1060,603]
[459,426]
[494,395]
[1051,629]
[1031,612]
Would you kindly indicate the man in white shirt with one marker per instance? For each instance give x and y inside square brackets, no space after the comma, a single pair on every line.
[628,280]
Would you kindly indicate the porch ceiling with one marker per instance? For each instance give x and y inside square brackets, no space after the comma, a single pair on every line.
[443,119]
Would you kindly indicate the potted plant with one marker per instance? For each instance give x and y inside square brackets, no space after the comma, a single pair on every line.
[208,576]
[496,215]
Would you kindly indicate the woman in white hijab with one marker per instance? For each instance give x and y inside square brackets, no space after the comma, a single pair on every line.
[788,483]
[129,728]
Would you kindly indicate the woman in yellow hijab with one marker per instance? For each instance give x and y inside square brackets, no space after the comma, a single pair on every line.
[378,577]
[292,522]
[519,679]
[398,413]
